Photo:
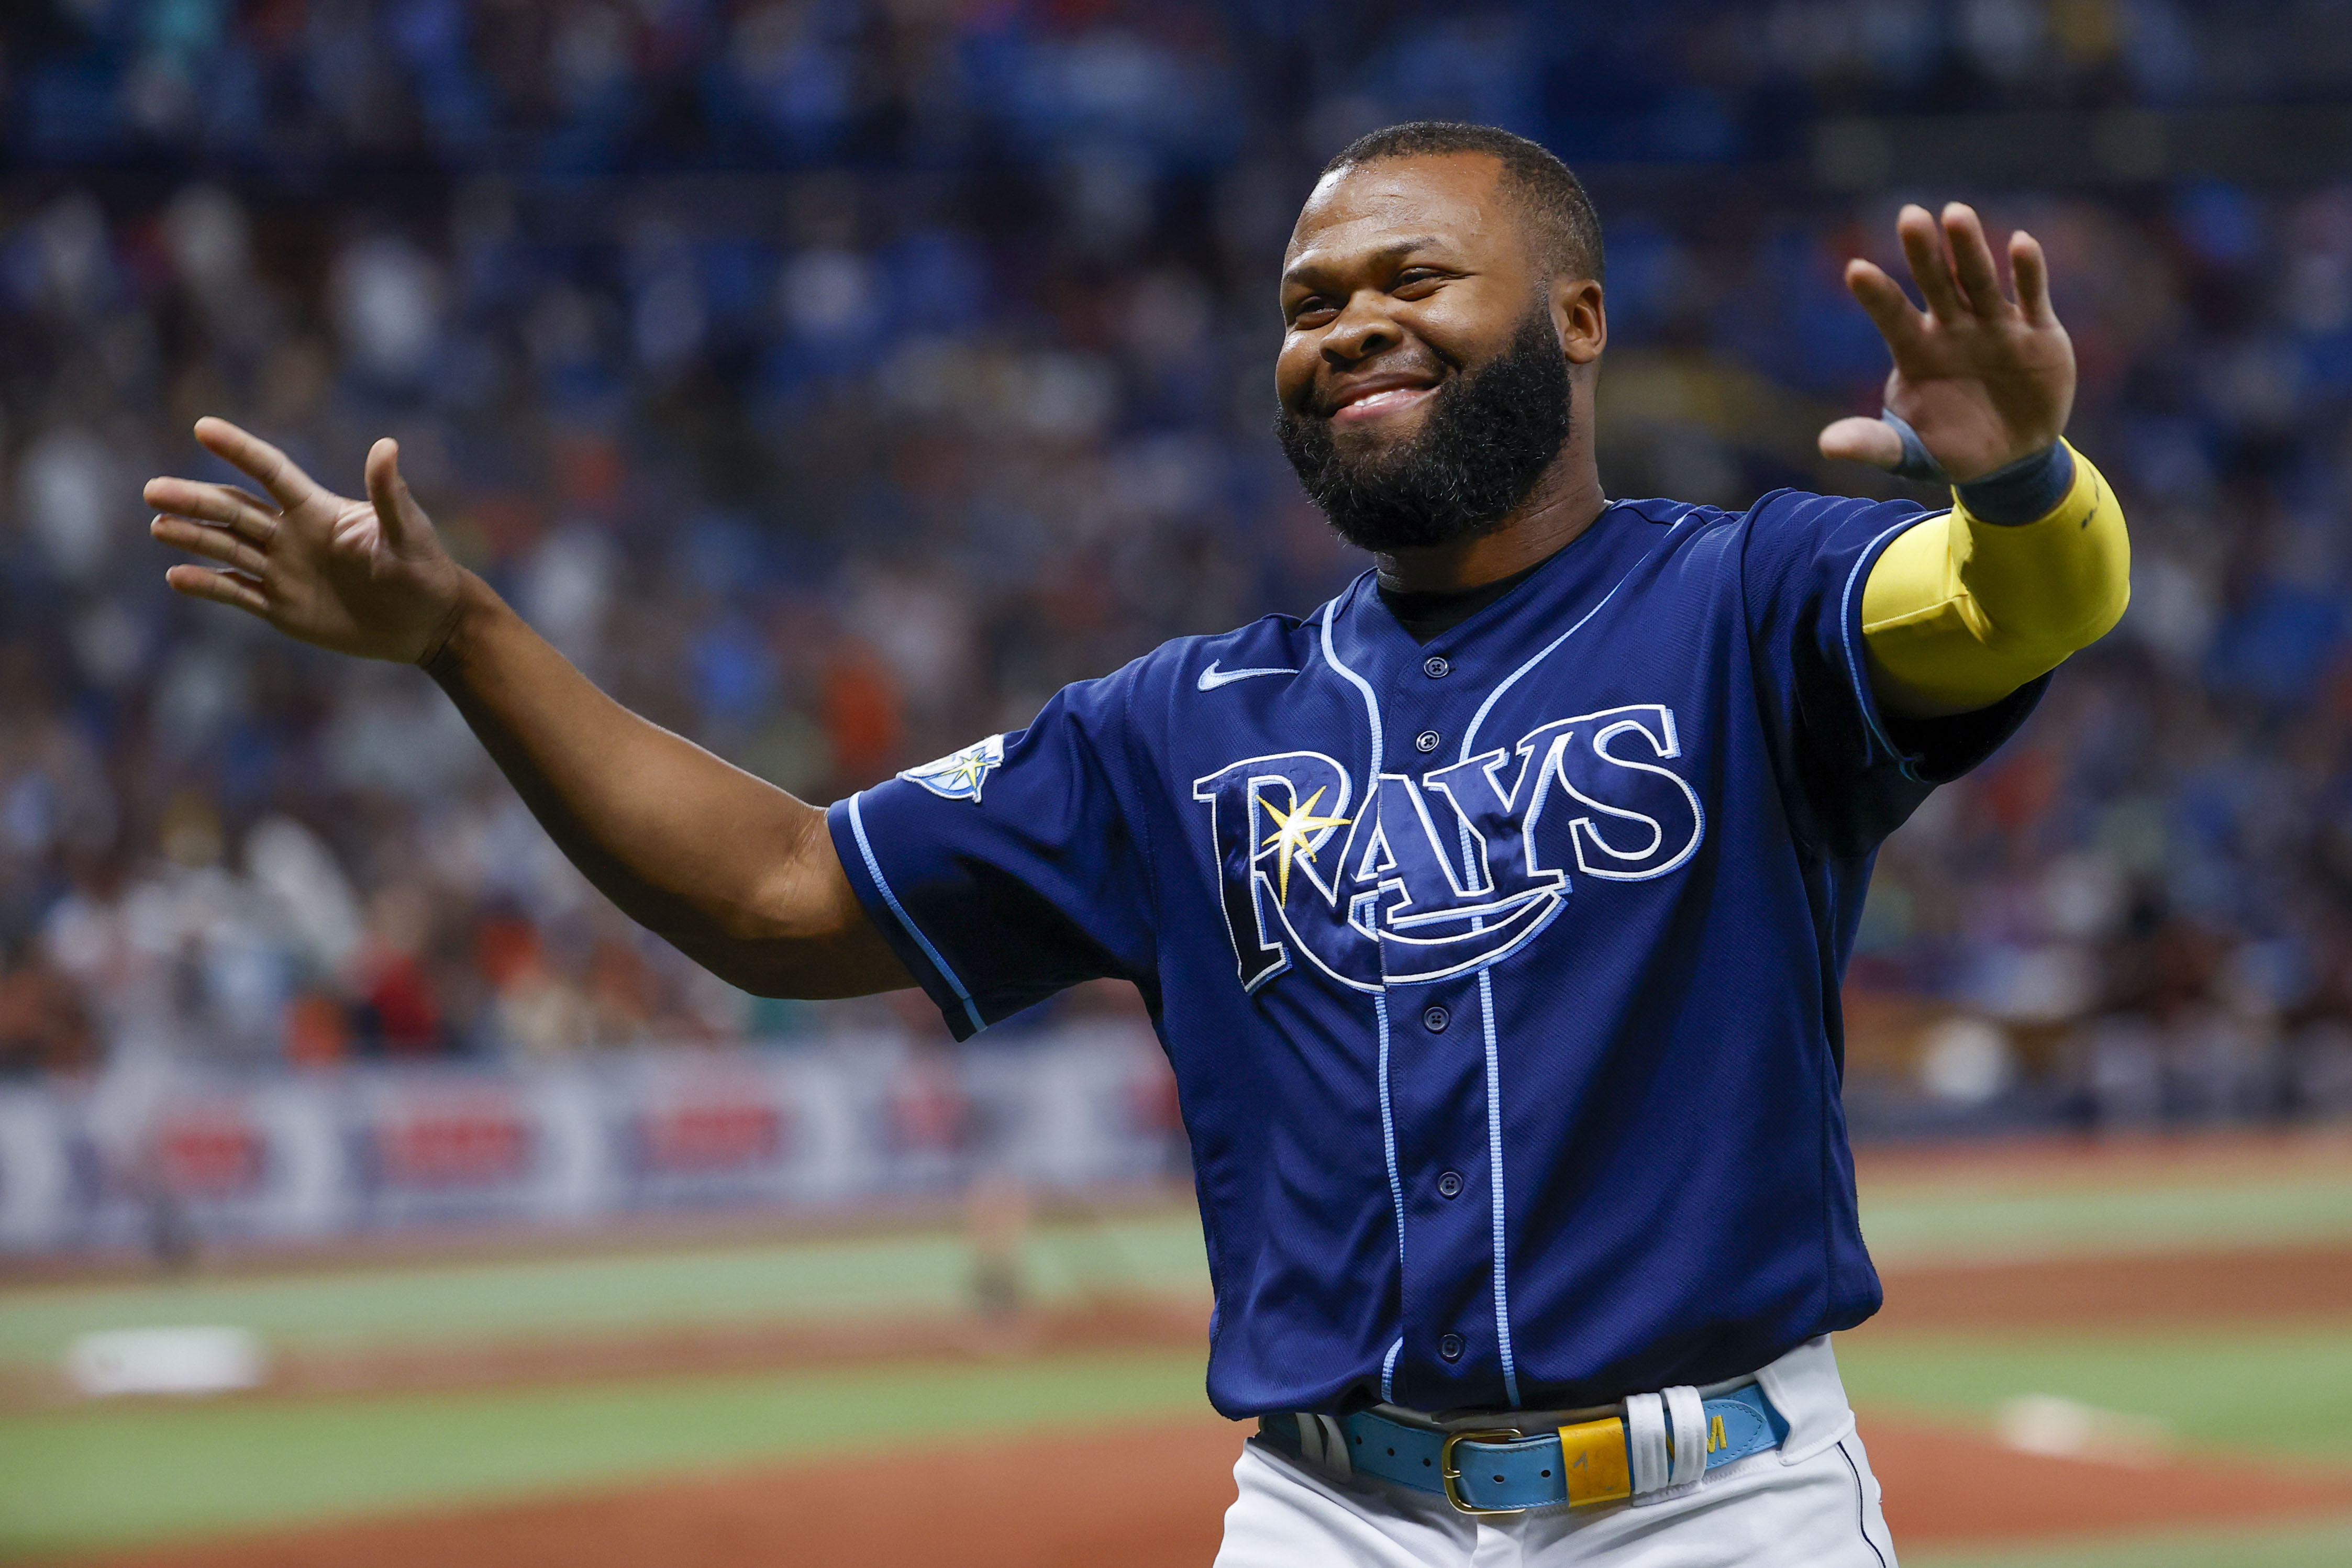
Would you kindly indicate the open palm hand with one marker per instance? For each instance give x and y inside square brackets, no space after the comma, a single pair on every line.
[362,577]
[1984,379]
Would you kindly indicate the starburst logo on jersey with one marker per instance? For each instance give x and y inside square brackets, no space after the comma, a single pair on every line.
[1296,833]
[1444,870]
[958,775]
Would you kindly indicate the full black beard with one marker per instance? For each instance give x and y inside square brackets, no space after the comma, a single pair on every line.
[1489,435]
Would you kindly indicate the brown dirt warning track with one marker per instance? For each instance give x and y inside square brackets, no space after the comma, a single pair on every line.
[2252,1285]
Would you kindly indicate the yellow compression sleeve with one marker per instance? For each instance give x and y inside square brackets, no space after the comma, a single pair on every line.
[1960,612]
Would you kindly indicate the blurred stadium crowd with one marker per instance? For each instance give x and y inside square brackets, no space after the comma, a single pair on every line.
[833,379]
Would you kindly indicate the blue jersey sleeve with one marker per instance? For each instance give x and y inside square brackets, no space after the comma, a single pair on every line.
[1012,869]
[1852,771]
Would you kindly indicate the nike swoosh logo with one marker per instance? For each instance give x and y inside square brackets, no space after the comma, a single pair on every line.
[1213,677]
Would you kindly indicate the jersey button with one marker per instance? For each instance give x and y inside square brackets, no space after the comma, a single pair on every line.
[1450,1347]
[1436,1020]
[1427,740]
[1450,1184]
[1436,667]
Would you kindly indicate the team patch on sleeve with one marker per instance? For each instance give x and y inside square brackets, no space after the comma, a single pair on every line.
[958,775]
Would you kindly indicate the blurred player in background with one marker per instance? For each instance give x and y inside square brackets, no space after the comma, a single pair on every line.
[1493,915]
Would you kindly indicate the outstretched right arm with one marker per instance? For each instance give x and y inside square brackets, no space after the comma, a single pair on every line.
[740,876]
[2032,563]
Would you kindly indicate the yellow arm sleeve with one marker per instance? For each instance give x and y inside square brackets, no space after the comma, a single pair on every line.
[1960,612]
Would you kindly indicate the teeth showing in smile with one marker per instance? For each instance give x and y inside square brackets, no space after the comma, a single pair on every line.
[1380,401]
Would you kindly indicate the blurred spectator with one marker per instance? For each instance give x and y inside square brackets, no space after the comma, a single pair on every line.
[44,1027]
[835,381]
[399,1013]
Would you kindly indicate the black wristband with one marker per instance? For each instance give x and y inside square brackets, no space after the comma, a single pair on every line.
[1919,463]
[2024,491]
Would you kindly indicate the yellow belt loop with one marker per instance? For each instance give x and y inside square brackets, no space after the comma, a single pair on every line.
[1599,1468]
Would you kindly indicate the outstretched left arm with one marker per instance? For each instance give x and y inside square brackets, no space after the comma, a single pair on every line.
[2032,563]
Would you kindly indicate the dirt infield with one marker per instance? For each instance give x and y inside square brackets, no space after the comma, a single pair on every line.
[2268,1284]
[1950,1488]
[1154,1498]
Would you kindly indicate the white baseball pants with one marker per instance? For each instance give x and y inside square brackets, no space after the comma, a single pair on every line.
[1810,1503]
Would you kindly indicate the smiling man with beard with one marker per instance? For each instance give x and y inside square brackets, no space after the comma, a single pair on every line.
[1492,914]
[1487,438]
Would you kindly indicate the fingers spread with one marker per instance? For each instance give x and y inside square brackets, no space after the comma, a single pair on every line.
[260,506]
[221,587]
[222,505]
[1889,308]
[274,471]
[1931,268]
[1972,260]
[2032,273]
[210,541]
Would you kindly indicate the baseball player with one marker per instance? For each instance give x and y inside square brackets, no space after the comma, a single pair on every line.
[1492,914]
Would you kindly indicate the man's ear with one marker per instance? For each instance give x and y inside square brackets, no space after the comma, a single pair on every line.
[1580,319]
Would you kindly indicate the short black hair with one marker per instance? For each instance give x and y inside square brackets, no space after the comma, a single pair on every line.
[1547,191]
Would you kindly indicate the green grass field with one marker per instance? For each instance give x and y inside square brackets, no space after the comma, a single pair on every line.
[258,1462]
[204,1468]
[2275,1390]
[1998,1219]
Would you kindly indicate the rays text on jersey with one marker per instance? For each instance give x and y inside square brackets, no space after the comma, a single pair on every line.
[1441,873]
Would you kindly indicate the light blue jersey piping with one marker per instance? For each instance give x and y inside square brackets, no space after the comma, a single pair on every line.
[874,870]
[1495,1184]
[1853,656]
[1388,1129]
[1380,997]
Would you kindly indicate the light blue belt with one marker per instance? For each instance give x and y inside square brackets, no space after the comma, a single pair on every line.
[1495,1469]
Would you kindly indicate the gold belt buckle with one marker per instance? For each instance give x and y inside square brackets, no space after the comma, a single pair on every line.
[1452,1477]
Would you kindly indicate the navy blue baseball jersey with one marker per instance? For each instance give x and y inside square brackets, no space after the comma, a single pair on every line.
[1500,973]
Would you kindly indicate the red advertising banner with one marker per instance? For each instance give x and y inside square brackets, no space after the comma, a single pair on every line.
[445,1139]
[711,1128]
[212,1150]
[386,1146]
